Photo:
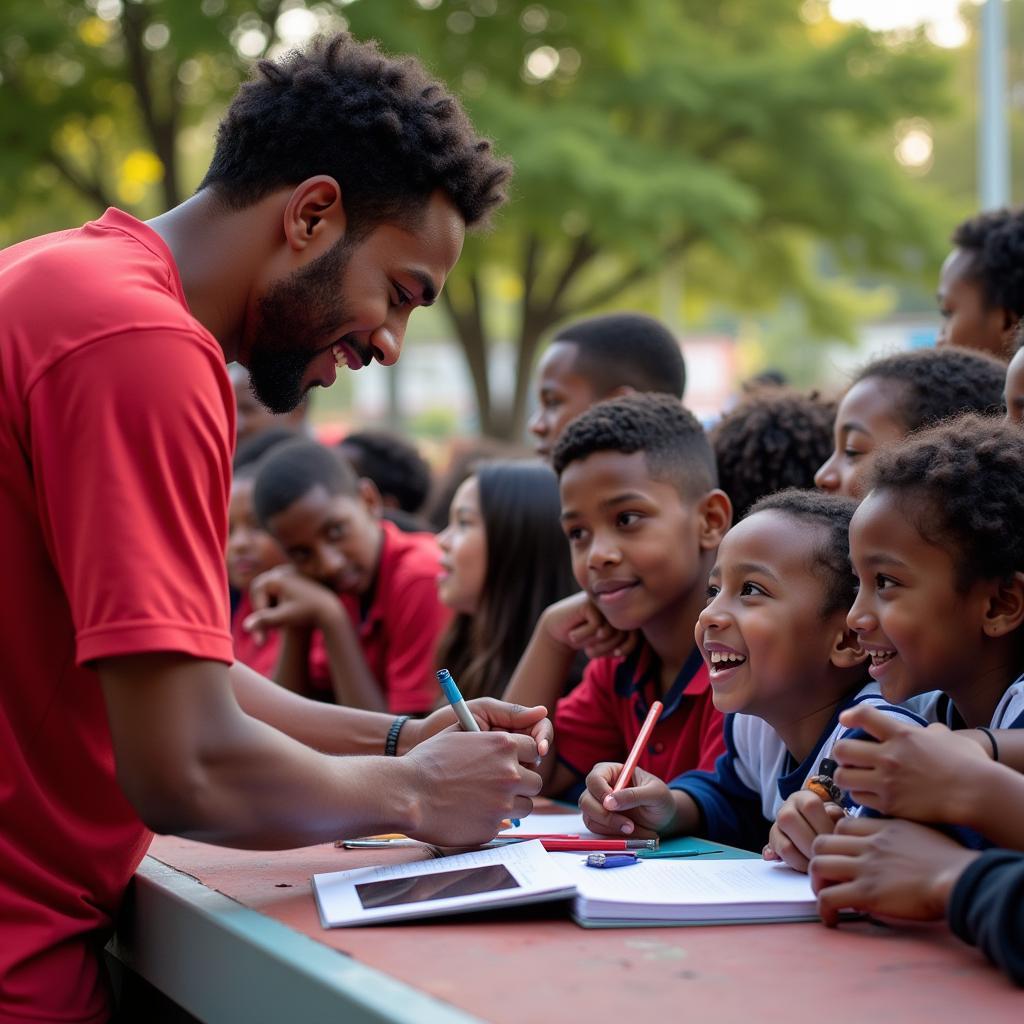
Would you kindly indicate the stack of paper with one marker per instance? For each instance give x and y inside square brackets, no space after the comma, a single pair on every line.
[686,892]
[651,892]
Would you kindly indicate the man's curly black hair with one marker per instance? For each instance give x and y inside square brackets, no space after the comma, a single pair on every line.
[995,243]
[936,383]
[674,444]
[962,486]
[774,439]
[831,514]
[380,126]
[392,463]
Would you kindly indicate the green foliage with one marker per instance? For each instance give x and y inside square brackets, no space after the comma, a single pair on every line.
[731,142]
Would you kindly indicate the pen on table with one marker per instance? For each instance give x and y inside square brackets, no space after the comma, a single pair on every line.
[612,860]
[626,775]
[674,854]
[459,706]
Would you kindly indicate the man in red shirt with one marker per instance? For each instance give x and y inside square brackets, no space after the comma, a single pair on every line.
[336,202]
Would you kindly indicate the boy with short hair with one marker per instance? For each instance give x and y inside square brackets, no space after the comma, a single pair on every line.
[370,589]
[599,358]
[644,517]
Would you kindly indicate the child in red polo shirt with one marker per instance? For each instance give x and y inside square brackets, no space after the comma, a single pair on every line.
[644,516]
[369,589]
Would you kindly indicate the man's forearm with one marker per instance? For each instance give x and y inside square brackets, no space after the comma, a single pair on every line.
[326,727]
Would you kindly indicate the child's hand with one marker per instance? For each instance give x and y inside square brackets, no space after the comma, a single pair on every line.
[919,774]
[284,597]
[801,819]
[892,868]
[575,622]
[645,808]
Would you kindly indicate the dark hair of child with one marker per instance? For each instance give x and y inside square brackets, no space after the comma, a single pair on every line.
[995,242]
[528,568]
[392,463]
[831,513]
[292,470]
[774,439]
[465,459]
[618,349]
[674,444]
[962,486]
[380,126]
[935,384]
[252,449]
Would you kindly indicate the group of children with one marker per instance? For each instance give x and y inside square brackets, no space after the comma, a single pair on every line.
[818,595]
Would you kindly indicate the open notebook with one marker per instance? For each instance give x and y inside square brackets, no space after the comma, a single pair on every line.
[652,892]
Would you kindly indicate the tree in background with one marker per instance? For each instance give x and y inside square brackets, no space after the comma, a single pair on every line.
[731,142]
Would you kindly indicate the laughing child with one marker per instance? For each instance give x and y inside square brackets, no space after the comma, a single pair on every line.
[783,666]
[644,517]
[939,553]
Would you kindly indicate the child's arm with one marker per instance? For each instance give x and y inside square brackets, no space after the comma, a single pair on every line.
[292,670]
[890,867]
[566,627]
[929,775]
[284,597]
[646,806]
[1009,741]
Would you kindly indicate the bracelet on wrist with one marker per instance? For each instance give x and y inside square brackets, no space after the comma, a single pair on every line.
[391,743]
[992,739]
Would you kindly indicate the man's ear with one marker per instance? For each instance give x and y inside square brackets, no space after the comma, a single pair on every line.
[1004,609]
[846,649]
[619,392]
[716,517]
[370,497]
[314,216]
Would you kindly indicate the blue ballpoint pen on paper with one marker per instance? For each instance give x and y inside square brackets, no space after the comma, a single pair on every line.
[459,706]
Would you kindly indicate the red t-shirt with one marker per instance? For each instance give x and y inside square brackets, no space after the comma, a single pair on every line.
[116,420]
[405,620]
[601,718]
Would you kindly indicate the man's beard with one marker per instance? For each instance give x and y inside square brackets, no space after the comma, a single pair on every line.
[306,306]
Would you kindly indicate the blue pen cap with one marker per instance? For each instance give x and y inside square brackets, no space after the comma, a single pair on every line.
[448,687]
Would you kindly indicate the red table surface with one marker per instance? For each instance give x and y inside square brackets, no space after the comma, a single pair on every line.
[539,965]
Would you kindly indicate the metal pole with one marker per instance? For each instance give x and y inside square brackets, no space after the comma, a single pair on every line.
[993,127]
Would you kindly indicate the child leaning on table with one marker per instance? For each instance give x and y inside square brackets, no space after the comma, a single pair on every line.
[783,666]
[644,517]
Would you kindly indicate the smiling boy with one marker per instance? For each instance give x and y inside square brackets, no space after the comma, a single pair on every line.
[644,517]
[369,588]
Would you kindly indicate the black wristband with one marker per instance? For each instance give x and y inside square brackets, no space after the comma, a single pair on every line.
[992,739]
[391,743]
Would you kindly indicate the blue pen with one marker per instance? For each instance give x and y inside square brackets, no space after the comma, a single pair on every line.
[612,860]
[462,712]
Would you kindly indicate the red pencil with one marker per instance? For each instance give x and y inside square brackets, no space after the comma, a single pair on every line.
[571,845]
[638,748]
